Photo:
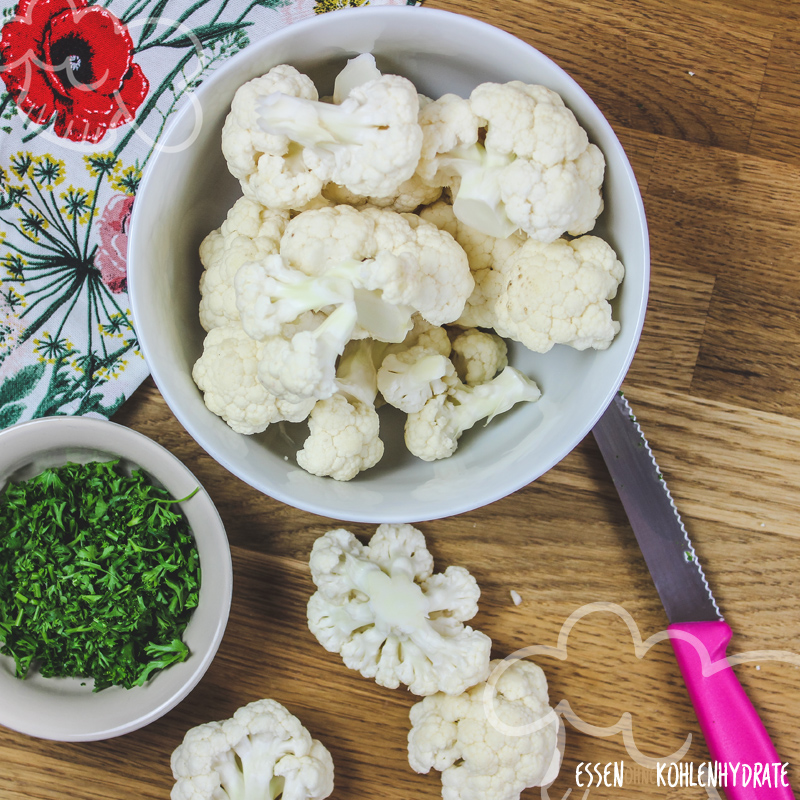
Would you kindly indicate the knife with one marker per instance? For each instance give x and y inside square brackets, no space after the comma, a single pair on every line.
[699,635]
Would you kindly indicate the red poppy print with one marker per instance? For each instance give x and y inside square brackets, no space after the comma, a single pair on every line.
[110,258]
[72,60]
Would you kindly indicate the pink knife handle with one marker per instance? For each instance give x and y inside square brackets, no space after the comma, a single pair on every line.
[732,728]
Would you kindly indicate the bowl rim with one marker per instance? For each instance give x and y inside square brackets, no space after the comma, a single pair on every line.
[90,433]
[521,479]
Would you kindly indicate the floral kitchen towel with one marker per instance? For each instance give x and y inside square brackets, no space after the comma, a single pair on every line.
[87,88]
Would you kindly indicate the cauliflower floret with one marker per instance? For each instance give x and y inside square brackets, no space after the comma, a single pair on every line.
[448,124]
[262,751]
[455,736]
[249,232]
[558,293]
[269,167]
[478,356]
[438,280]
[433,432]
[358,71]
[534,170]
[390,618]
[344,428]
[409,378]
[343,440]
[369,143]
[389,267]
[410,195]
[487,256]
[316,239]
[304,366]
[269,294]
[227,373]
[424,334]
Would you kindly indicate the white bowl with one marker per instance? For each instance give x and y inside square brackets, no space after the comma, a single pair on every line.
[187,191]
[66,709]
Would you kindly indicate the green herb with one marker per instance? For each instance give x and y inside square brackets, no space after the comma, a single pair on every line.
[99,575]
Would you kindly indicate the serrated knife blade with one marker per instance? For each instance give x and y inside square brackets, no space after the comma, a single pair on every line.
[699,636]
[664,542]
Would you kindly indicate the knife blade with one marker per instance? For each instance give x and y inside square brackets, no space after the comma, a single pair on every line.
[668,552]
[698,633]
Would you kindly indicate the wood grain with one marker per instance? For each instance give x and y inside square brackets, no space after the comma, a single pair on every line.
[715,384]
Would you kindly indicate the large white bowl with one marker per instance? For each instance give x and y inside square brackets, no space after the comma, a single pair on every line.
[187,191]
[66,709]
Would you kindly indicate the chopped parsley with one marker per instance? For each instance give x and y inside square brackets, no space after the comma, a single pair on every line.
[99,575]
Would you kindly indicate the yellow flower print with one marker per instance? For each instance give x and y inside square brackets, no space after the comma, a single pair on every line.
[118,326]
[127,180]
[323,6]
[78,203]
[12,299]
[14,265]
[51,350]
[100,163]
[21,164]
[47,172]
[32,223]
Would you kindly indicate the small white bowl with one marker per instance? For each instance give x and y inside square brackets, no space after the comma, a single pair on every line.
[187,191]
[66,709]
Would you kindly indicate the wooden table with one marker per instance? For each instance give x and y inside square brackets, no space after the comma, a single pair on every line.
[703,94]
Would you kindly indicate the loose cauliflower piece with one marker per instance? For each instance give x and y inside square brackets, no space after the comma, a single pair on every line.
[478,356]
[516,158]
[343,440]
[261,752]
[381,607]
[369,143]
[455,736]
[433,432]
[487,257]
[558,293]
[250,231]
[269,167]
[227,374]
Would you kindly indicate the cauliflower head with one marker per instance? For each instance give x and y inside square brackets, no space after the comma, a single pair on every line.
[478,356]
[269,167]
[487,257]
[302,366]
[261,752]
[455,736]
[369,143]
[409,378]
[410,195]
[227,374]
[343,438]
[433,432]
[559,293]
[250,231]
[381,607]
[391,264]
[516,159]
